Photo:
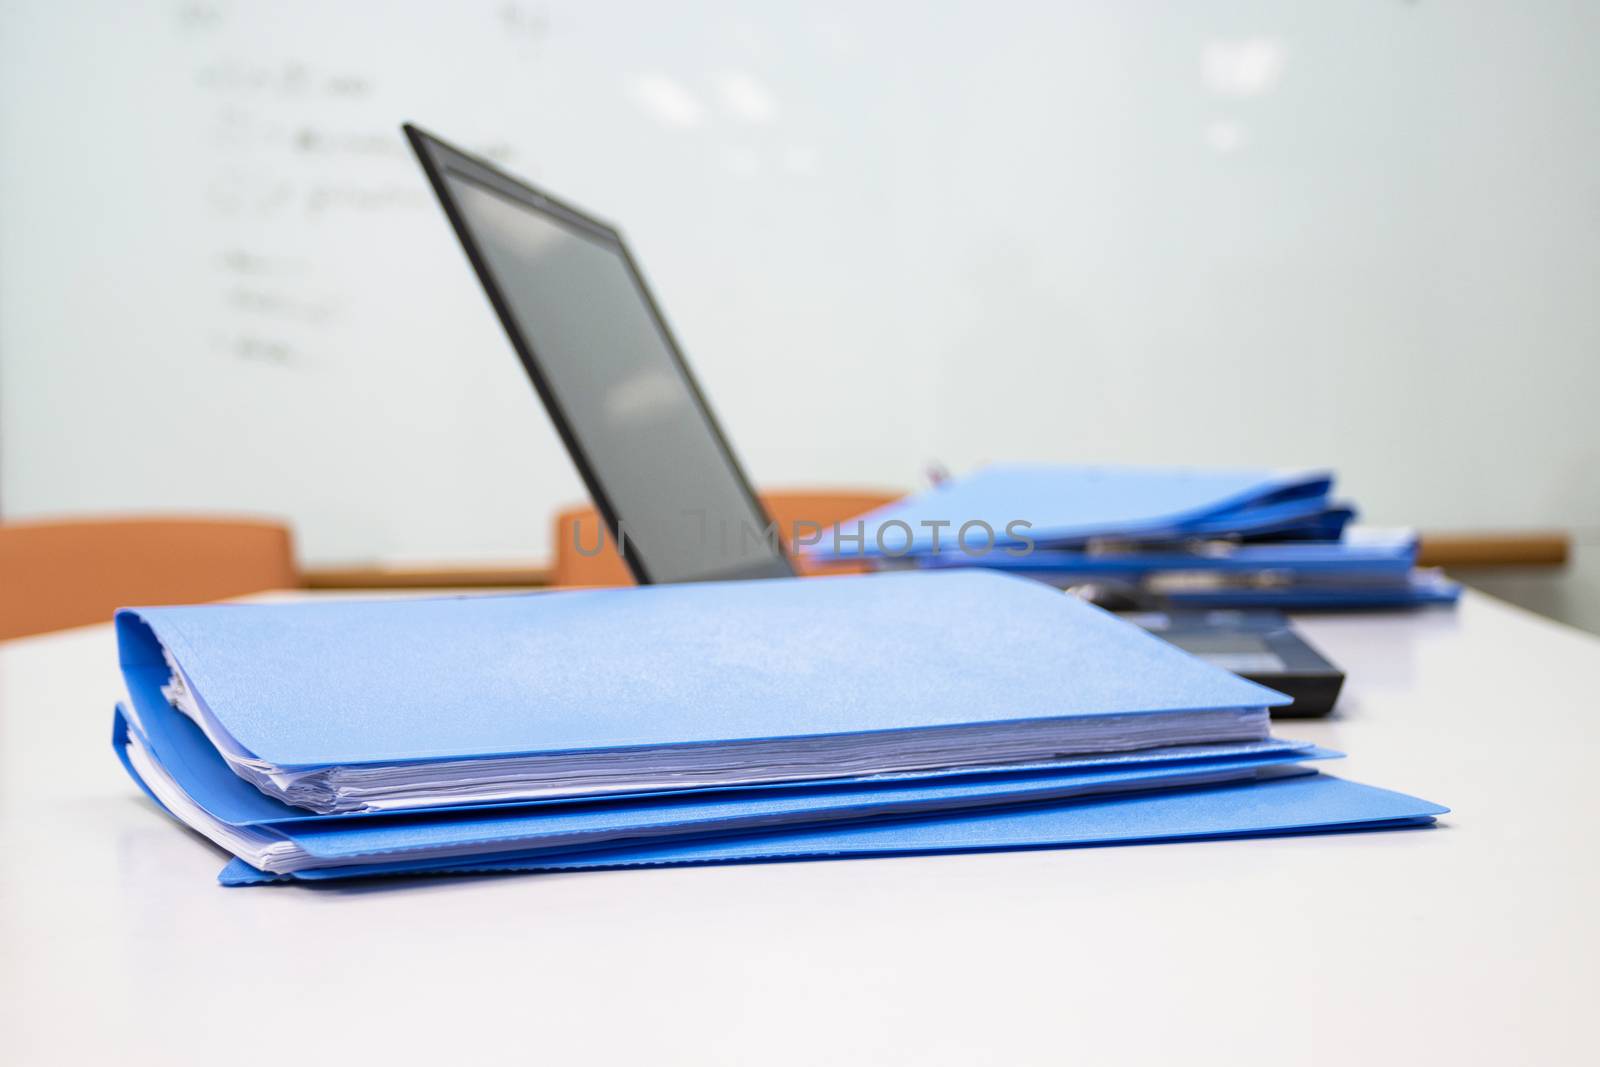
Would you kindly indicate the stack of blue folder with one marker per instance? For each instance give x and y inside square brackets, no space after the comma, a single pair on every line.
[1193,537]
[885,714]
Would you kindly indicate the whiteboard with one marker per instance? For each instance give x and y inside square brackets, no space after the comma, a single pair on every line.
[1361,235]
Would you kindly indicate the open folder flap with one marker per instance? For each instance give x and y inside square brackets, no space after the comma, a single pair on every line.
[1293,803]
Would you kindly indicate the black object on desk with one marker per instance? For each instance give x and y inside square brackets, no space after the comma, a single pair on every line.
[1258,645]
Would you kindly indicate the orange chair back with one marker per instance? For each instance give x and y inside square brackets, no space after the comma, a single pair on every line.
[74,572]
[582,526]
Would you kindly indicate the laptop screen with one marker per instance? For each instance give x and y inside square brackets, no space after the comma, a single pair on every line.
[637,426]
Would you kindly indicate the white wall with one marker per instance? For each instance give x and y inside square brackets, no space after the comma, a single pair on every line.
[1360,234]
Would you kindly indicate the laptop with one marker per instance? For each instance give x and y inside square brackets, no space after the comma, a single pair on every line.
[600,355]
[646,443]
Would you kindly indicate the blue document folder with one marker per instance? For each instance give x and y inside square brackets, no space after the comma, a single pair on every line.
[227,702]
[1064,505]
[1292,804]
[843,675]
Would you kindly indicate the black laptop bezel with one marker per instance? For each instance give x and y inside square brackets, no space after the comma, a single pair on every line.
[437,157]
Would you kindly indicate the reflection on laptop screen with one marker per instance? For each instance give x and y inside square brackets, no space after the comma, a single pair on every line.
[636,420]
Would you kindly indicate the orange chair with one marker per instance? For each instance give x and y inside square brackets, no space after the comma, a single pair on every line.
[582,526]
[79,571]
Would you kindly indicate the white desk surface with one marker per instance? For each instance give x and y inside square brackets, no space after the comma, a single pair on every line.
[1475,942]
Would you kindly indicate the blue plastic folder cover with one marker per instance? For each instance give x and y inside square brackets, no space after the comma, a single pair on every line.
[319,684]
[1072,504]
[1295,803]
